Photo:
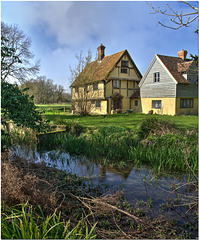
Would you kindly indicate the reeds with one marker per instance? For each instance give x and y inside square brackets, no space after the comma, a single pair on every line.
[24,222]
[164,148]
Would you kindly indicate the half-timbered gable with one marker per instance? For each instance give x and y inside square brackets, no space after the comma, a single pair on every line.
[112,80]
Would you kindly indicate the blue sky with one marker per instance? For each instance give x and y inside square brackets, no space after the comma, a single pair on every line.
[61,29]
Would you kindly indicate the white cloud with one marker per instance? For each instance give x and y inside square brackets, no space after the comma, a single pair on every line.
[60,29]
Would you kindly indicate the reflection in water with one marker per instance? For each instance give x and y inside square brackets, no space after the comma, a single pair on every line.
[123,172]
[137,183]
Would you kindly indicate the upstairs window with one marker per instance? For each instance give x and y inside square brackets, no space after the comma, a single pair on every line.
[156,104]
[186,103]
[124,63]
[123,70]
[156,77]
[76,89]
[95,86]
[116,84]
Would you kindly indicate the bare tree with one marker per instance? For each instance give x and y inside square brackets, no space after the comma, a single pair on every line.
[19,65]
[82,61]
[44,90]
[84,94]
[179,19]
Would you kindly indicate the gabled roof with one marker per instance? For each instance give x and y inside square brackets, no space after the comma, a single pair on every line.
[173,63]
[136,94]
[97,71]
[184,67]
[175,66]
[116,95]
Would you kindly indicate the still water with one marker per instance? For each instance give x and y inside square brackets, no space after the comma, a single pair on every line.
[138,184]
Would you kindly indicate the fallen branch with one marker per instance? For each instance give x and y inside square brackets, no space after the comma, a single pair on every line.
[106,205]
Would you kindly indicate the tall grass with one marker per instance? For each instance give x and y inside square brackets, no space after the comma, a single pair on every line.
[163,147]
[24,222]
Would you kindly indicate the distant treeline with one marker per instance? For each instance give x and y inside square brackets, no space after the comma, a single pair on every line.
[45,91]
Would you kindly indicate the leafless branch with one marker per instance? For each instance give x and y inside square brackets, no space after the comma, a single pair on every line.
[180,19]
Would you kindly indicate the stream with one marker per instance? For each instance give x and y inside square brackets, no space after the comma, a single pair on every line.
[139,184]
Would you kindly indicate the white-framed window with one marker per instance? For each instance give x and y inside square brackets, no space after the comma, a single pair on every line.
[116,84]
[98,104]
[156,77]
[156,104]
[186,103]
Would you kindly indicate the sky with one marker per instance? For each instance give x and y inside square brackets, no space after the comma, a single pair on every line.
[60,30]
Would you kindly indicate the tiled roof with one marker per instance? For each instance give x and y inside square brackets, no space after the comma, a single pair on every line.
[136,94]
[97,71]
[174,64]
[116,95]
[183,67]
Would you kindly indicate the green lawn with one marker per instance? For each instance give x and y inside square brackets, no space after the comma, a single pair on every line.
[52,106]
[130,121]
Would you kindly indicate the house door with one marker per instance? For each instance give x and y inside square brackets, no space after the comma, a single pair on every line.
[117,103]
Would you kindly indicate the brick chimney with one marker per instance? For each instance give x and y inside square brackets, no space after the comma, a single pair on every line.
[182,54]
[100,50]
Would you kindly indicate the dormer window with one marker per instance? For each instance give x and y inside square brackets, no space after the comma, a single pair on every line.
[156,77]
[124,63]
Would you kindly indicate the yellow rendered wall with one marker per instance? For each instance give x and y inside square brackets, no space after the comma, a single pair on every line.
[123,84]
[124,92]
[168,106]
[116,90]
[131,84]
[125,104]
[109,106]
[101,110]
[186,111]
[92,107]
[137,109]
[90,92]
[109,89]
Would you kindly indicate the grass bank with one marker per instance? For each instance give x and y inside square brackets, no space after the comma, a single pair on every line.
[127,121]
[156,142]
[54,108]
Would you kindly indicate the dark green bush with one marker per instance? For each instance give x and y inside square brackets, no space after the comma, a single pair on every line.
[74,128]
[153,125]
